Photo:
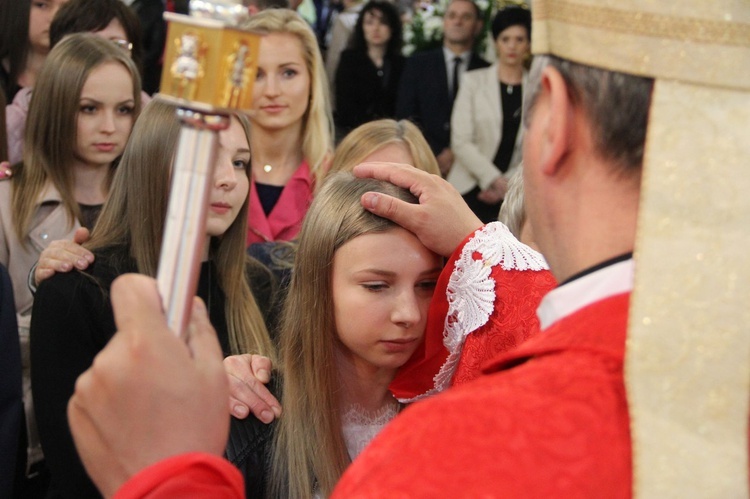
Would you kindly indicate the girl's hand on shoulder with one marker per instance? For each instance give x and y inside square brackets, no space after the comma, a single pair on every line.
[63,256]
[248,375]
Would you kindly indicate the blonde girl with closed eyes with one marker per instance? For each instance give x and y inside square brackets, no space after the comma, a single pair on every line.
[355,312]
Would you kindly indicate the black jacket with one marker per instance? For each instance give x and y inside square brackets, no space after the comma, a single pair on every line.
[250,448]
[361,93]
[72,321]
[424,96]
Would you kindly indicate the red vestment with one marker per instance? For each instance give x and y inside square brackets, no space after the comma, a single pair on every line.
[520,292]
[187,475]
[549,419]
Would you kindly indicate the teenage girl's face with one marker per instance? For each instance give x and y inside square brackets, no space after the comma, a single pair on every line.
[512,46]
[105,115]
[377,32]
[40,17]
[231,184]
[382,286]
[282,86]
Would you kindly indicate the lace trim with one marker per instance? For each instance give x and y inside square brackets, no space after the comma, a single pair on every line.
[359,426]
[471,290]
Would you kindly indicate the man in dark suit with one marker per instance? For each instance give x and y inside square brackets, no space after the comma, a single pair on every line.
[429,81]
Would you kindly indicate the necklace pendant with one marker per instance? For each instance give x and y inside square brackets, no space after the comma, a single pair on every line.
[267,168]
[509,89]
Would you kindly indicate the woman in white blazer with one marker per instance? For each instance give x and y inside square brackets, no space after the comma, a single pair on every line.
[486,129]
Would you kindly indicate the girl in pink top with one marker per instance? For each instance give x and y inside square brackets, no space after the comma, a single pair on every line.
[291,120]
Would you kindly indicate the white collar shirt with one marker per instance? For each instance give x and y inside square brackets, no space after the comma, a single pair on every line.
[571,297]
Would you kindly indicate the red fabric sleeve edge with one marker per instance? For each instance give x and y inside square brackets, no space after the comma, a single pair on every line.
[148,481]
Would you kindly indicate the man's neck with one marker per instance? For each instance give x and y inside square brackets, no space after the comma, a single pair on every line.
[595,217]
[457,48]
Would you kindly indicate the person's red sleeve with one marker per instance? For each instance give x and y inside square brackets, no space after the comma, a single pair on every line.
[187,475]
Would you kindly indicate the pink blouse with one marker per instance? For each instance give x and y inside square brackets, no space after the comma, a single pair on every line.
[285,220]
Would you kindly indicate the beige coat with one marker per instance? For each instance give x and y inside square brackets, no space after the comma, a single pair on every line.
[476,125]
[50,222]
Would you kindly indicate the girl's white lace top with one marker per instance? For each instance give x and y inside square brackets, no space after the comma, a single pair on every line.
[360,427]
[471,290]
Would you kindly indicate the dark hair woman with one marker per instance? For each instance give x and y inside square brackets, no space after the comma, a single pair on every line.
[368,73]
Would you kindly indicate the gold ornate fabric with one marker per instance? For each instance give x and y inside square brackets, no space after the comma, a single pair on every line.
[689,332]
[697,41]
[688,348]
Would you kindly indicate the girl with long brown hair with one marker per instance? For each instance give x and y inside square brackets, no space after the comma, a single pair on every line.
[355,312]
[72,315]
[88,96]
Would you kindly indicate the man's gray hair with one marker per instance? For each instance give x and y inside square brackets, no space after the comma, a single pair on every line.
[616,103]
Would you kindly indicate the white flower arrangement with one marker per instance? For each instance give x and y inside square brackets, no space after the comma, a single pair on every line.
[433,27]
[425,31]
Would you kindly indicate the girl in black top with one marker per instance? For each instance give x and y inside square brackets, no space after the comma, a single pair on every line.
[368,73]
[73,317]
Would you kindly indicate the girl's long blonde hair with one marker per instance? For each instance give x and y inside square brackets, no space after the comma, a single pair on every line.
[317,129]
[309,452]
[50,136]
[137,207]
[370,137]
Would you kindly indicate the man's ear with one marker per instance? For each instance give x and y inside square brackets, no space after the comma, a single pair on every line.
[558,119]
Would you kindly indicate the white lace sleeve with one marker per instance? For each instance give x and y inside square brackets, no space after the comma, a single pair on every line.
[471,290]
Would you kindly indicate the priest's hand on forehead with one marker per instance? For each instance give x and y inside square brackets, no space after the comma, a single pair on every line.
[441,220]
